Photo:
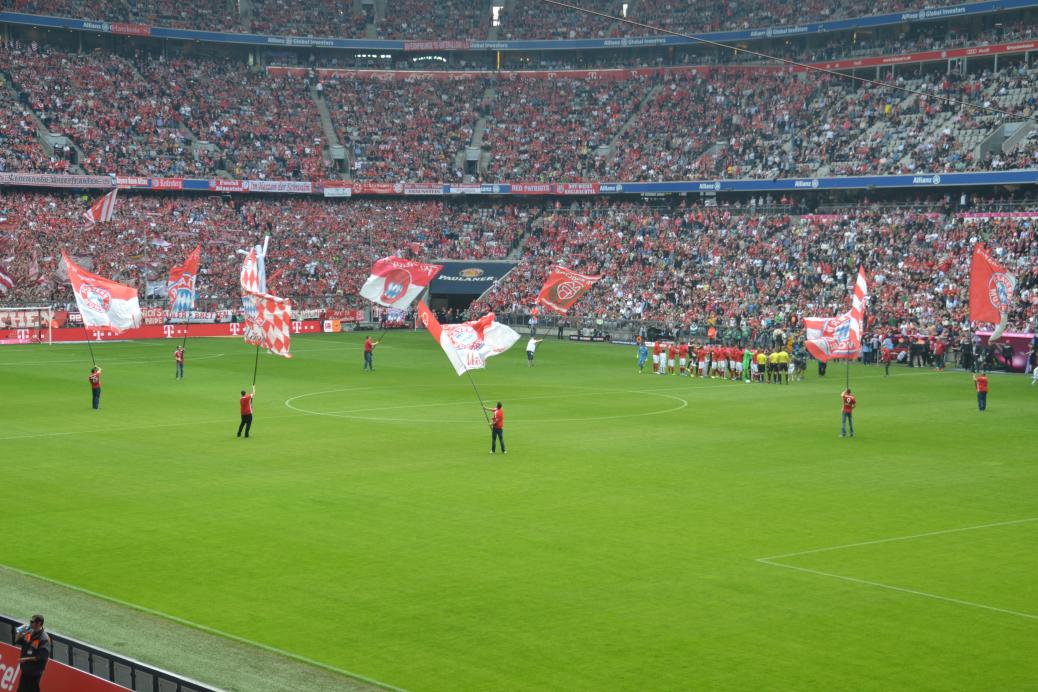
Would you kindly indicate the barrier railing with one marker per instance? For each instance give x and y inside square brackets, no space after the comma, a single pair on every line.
[123,671]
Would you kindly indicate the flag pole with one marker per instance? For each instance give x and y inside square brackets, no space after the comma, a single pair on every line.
[848,383]
[255,368]
[482,406]
[89,345]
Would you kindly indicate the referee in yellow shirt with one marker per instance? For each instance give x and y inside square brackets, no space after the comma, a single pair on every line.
[773,373]
[783,364]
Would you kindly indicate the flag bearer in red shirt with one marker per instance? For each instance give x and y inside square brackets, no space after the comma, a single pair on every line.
[982,391]
[178,357]
[246,411]
[95,386]
[497,428]
[849,402]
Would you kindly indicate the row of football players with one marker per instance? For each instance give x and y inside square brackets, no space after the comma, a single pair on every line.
[723,362]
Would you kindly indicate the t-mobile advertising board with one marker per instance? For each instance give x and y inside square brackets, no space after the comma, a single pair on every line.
[162,331]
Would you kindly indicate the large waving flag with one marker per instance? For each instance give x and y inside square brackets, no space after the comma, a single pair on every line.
[253,282]
[181,286]
[564,287]
[396,282]
[6,282]
[273,322]
[991,291]
[102,302]
[468,345]
[103,209]
[839,337]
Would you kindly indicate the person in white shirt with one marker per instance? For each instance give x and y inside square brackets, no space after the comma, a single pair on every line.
[531,347]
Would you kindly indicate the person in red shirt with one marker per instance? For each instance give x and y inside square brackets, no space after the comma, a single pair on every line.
[888,356]
[682,357]
[938,354]
[982,391]
[672,352]
[246,411]
[178,356]
[497,428]
[657,349]
[95,386]
[849,402]
[369,348]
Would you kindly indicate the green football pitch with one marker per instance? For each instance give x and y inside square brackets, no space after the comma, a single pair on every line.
[642,533]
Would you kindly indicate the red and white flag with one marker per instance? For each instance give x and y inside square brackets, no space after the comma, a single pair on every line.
[839,337]
[103,209]
[468,345]
[991,291]
[181,286]
[103,302]
[564,287]
[6,282]
[273,323]
[252,283]
[395,282]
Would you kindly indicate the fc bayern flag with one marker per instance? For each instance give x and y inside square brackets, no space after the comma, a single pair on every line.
[991,291]
[564,287]
[103,209]
[839,337]
[274,323]
[103,302]
[253,281]
[396,282]
[468,345]
[181,286]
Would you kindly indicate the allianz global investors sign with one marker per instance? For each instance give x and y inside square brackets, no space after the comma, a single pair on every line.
[468,277]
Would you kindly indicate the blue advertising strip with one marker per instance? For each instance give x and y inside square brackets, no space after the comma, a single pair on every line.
[849,183]
[809,28]
[864,182]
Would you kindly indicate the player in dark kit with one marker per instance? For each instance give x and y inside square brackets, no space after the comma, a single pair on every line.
[246,411]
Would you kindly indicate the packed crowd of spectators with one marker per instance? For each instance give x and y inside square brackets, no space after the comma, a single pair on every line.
[322,249]
[532,19]
[263,126]
[208,117]
[20,149]
[420,20]
[550,129]
[689,266]
[405,130]
[313,18]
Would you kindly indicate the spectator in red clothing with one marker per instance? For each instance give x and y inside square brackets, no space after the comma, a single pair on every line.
[95,386]
[849,402]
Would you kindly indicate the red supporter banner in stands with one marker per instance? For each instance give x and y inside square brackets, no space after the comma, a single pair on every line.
[220,185]
[163,331]
[378,188]
[344,315]
[153,316]
[436,45]
[167,183]
[58,677]
[131,29]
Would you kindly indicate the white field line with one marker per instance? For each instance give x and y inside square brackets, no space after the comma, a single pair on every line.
[773,561]
[206,628]
[110,359]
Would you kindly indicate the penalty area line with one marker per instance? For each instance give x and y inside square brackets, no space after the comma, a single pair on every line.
[774,562]
[209,630]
